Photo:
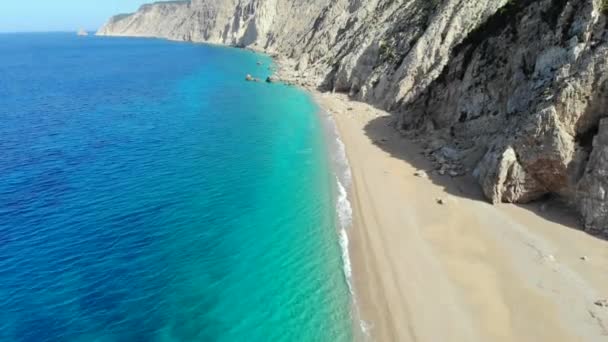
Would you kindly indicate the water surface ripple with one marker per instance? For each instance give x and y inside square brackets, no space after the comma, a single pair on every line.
[148,193]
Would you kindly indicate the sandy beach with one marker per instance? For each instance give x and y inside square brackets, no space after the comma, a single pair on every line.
[462,269]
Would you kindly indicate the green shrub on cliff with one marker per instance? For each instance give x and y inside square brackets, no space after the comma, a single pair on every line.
[604,7]
[387,52]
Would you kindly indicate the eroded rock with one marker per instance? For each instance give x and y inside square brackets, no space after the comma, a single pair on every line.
[503,179]
[592,188]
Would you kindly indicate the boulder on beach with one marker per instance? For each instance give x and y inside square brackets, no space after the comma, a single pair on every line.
[249,78]
[421,174]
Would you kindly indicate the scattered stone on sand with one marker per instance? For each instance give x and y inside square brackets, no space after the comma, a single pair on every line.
[585,258]
[602,303]
[421,174]
[350,108]
[441,201]
[550,258]
[378,142]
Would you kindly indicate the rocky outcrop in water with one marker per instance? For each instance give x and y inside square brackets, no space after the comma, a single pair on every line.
[516,88]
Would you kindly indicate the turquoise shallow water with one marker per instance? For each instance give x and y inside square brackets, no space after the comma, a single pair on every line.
[148,193]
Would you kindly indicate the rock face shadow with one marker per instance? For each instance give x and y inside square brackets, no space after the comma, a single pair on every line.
[382,133]
[552,209]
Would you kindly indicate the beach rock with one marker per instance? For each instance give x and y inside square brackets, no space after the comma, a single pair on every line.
[504,179]
[249,78]
[531,114]
[602,303]
[379,142]
[421,174]
[450,153]
[272,79]
[441,201]
[592,199]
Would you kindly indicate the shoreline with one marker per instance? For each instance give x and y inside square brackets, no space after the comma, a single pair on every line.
[341,170]
[465,270]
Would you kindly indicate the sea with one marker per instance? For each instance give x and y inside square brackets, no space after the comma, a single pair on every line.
[149,193]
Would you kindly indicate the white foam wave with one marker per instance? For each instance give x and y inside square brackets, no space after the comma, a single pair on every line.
[344,211]
[342,160]
[346,258]
[338,155]
[343,207]
[345,220]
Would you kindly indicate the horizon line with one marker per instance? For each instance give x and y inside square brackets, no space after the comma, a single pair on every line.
[47,31]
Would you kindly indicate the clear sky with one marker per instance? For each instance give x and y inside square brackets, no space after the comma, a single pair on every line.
[60,15]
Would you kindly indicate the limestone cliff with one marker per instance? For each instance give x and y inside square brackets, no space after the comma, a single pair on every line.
[511,90]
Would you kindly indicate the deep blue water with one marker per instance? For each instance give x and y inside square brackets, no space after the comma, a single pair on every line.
[148,193]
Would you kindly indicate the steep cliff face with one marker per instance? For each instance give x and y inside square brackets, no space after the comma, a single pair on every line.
[528,88]
[378,50]
[513,89]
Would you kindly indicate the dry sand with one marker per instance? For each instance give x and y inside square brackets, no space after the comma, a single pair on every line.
[464,270]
